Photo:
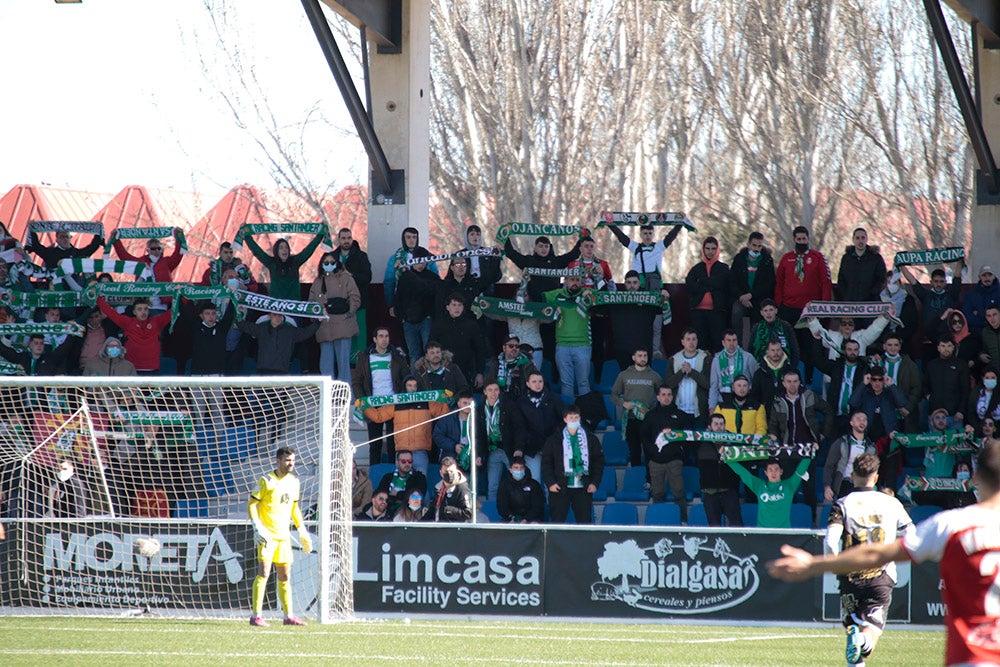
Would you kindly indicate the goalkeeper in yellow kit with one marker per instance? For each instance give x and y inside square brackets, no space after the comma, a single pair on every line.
[273,505]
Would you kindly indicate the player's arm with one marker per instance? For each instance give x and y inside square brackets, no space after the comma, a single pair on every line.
[799,565]
[301,527]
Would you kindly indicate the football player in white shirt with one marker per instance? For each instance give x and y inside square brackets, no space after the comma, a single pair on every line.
[965,541]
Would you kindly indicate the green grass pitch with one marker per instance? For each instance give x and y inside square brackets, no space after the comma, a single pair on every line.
[150,641]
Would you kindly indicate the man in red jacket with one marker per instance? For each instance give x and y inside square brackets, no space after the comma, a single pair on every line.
[162,267]
[142,333]
[802,275]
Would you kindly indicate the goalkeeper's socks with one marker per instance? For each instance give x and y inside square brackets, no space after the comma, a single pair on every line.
[285,596]
[257,594]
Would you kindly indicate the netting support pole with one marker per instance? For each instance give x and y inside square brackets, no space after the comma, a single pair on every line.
[473,468]
[85,409]
[324,502]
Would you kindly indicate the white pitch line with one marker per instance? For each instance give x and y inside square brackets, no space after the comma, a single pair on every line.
[749,638]
[332,656]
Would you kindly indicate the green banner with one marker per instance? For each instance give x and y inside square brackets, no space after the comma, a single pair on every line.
[921,483]
[134,290]
[84,265]
[312,228]
[430,396]
[955,441]
[625,219]
[737,446]
[531,229]
[933,256]
[172,420]
[8,368]
[73,227]
[602,298]
[499,309]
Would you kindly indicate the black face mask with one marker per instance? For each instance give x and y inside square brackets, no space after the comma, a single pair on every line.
[801,247]
[448,477]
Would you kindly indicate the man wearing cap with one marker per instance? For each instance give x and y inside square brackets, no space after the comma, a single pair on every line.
[984,294]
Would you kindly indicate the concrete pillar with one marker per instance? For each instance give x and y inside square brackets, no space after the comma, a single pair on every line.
[400,89]
[986,216]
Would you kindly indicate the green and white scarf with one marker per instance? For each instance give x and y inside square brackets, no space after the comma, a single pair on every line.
[503,365]
[311,228]
[147,233]
[70,266]
[44,299]
[465,456]
[626,219]
[728,372]
[956,441]
[924,257]
[429,396]
[625,298]
[44,328]
[8,368]
[499,309]
[493,435]
[531,229]
[576,455]
[921,483]
[637,412]
[73,227]
[468,252]
[164,418]
[846,309]
[269,304]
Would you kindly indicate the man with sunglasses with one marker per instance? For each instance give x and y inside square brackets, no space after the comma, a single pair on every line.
[510,369]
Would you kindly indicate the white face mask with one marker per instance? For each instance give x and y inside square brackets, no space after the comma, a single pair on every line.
[573,426]
[234,283]
[754,254]
[65,474]
[329,267]
[414,505]
[892,288]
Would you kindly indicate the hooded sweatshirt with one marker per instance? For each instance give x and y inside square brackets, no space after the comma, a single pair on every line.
[708,282]
[103,364]
[392,272]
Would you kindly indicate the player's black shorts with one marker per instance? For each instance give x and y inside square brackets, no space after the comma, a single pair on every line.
[866,602]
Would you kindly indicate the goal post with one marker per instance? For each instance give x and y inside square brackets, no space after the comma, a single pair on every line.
[95,470]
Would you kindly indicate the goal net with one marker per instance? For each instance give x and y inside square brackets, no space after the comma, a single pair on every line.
[92,469]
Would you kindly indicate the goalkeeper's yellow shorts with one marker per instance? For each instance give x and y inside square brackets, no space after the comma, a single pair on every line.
[278,552]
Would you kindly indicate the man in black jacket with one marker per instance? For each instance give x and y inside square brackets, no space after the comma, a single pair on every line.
[946,382]
[457,281]
[520,498]
[708,287]
[766,381]
[63,249]
[415,294]
[35,360]
[398,483]
[666,460]
[631,325]
[498,434]
[541,413]
[751,280]
[355,260]
[846,374]
[461,335]
[862,271]
[572,467]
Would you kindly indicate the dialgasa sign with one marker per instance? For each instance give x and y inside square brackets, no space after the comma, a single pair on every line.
[671,577]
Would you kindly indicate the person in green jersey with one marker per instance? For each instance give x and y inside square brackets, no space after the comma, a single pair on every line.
[774,495]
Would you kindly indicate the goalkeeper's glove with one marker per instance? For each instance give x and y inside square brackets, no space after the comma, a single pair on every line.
[261,536]
[307,544]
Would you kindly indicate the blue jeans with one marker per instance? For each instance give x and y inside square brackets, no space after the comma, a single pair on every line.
[573,362]
[416,336]
[336,352]
[496,464]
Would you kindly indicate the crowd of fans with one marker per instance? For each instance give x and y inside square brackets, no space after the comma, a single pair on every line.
[928,364]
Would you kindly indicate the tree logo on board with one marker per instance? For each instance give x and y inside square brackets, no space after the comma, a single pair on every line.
[688,577]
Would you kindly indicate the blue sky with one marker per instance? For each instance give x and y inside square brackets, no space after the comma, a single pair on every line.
[109,93]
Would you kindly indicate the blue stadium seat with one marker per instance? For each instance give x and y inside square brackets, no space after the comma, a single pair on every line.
[696,515]
[434,476]
[802,516]
[168,366]
[608,486]
[749,513]
[692,482]
[612,409]
[663,514]
[191,509]
[489,508]
[614,448]
[620,514]
[609,373]
[249,366]
[633,486]
[919,513]
[238,443]
[660,366]
[571,519]
[377,471]
[218,477]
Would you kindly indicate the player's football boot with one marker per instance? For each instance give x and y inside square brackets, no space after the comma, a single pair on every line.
[258,622]
[855,644]
[291,620]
